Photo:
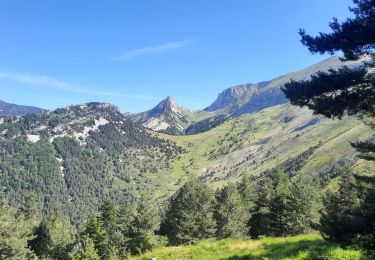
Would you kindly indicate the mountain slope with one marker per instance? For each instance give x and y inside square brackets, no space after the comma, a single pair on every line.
[249,98]
[167,116]
[257,142]
[7,109]
[72,158]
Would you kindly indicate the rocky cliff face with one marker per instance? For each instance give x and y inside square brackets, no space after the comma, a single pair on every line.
[231,96]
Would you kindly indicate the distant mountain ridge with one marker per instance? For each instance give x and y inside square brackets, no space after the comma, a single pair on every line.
[232,102]
[7,109]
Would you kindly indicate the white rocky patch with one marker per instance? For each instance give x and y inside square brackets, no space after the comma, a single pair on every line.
[156,124]
[33,138]
[40,128]
[87,129]
[1,120]
[55,136]
[62,171]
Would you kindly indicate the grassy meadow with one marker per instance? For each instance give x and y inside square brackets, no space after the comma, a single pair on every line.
[298,247]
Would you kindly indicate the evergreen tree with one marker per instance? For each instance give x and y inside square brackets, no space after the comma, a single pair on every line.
[98,235]
[230,213]
[112,222]
[14,234]
[108,215]
[339,221]
[126,214]
[246,188]
[304,205]
[53,238]
[39,244]
[278,220]
[367,211]
[348,90]
[143,226]
[189,216]
[258,223]
[85,250]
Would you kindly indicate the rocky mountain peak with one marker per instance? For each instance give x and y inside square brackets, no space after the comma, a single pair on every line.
[166,106]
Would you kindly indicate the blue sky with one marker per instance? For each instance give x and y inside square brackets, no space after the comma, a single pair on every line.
[134,53]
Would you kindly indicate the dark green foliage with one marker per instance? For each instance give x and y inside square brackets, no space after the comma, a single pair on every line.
[15,231]
[53,238]
[230,213]
[366,212]
[189,216]
[278,224]
[95,231]
[259,221]
[85,250]
[347,90]
[143,226]
[72,175]
[118,230]
[246,188]
[304,205]
[285,206]
[339,221]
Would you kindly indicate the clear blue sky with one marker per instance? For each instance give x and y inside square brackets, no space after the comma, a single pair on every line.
[134,53]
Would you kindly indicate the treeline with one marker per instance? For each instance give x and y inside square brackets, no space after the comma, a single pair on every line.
[276,205]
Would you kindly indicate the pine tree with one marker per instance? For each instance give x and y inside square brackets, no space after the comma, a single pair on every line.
[143,226]
[15,232]
[96,232]
[304,205]
[112,223]
[259,222]
[246,188]
[53,238]
[339,221]
[40,244]
[189,217]
[278,220]
[230,213]
[367,212]
[348,90]
[85,250]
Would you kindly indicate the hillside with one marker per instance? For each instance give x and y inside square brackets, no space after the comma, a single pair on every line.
[254,143]
[85,154]
[72,158]
[9,110]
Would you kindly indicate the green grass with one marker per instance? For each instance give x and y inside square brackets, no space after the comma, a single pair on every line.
[232,142]
[298,247]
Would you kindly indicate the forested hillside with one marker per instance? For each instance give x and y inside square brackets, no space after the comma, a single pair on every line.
[71,159]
